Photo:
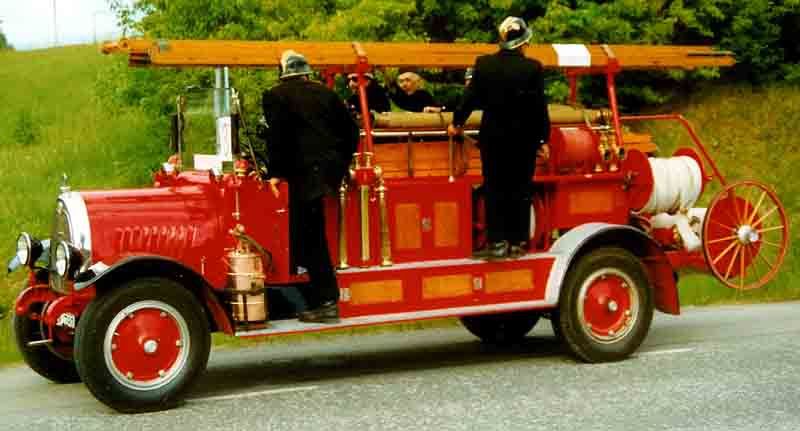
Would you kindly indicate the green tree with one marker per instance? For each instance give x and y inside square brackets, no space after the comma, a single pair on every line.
[4,45]
[760,32]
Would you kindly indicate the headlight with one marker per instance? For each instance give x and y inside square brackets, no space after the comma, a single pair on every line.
[67,260]
[28,249]
[24,247]
[62,258]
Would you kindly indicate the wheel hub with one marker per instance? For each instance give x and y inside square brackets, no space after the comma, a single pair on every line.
[608,305]
[145,345]
[747,235]
[150,347]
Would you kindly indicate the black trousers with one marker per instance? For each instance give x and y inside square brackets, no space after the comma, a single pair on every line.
[508,199]
[310,250]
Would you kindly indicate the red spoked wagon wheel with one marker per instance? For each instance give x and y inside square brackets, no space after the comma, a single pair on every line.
[745,235]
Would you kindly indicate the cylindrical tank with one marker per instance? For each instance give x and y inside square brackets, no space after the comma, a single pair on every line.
[574,150]
[246,286]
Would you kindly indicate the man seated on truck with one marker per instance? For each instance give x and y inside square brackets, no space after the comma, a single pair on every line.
[409,95]
[376,94]
[310,141]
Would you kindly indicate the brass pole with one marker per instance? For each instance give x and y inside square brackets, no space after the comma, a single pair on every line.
[364,189]
[450,150]
[343,225]
[386,246]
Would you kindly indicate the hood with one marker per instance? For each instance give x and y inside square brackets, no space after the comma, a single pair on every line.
[176,222]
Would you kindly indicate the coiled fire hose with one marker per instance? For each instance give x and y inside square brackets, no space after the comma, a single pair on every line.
[677,183]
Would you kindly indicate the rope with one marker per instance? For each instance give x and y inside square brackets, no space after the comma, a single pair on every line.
[677,182]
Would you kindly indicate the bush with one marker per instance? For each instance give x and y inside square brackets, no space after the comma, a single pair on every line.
[26,130]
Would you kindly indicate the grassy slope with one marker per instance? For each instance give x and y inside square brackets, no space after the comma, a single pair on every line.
[75,135]
[748,132]
[750,135]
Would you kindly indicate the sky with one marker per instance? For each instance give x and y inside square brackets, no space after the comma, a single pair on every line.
[28,24]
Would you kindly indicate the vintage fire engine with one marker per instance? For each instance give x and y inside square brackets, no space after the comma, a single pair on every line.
[131,283]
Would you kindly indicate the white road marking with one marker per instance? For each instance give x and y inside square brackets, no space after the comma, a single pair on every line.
[252,394]
[664,352]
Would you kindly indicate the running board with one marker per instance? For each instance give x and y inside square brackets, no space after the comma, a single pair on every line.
[292,326]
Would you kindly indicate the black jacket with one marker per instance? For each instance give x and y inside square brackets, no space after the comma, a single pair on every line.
[509,88]
[311,137]
[414,102]
[376,99]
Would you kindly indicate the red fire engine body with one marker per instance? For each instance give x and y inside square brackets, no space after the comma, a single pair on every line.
[134,281]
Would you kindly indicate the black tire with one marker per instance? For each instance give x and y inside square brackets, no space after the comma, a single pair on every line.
[40,358]
[102,330]
[505,328]
[619,328]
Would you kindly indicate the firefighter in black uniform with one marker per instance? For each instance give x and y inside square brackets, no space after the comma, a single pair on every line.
[509,88]
[376,95]
[311,140]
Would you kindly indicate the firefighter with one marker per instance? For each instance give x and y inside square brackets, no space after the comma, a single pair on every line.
[509,88]
[409,95]
[311,140]
[376,94]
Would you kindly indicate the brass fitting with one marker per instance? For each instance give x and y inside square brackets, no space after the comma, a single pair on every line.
[343,225]
[603,148]
[367,160]
[615,151]
[386,246]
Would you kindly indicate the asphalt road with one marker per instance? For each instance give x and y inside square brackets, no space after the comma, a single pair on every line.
[722,368]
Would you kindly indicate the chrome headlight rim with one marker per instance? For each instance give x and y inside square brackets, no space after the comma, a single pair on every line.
[24,248]
[62,258]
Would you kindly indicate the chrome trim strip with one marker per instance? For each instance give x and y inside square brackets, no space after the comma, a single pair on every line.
[79,228]
[565,249]
[441,263]
[293,325]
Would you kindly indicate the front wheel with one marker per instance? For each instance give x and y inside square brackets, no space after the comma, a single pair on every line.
[41,358]
[141,346]
[504,328]
[606,306]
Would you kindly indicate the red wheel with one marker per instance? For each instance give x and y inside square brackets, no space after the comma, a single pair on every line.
[605,305]
[609,305]
[146,345]
[140,346]
[745,235]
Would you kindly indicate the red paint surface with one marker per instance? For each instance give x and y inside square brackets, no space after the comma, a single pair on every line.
[130,336]
[596,310]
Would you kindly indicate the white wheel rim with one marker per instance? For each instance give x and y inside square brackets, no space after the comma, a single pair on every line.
[141,340]
[620,303]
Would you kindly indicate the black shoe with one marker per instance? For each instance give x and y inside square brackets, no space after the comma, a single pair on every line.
[519,250]
[494,251]
[497,250]
[482,253]
[328,312]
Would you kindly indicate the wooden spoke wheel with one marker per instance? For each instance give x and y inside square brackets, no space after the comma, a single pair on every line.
[745,235]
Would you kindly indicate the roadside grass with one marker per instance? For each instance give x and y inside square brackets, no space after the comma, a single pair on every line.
[51,123]
[48,101]
[749,133]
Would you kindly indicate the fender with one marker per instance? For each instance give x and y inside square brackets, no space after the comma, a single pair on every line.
[137,266]
[587,237]
[39,293]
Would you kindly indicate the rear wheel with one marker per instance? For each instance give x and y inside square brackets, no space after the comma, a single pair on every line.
[141,346]
[606,306]
[502,328]
[41,358]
